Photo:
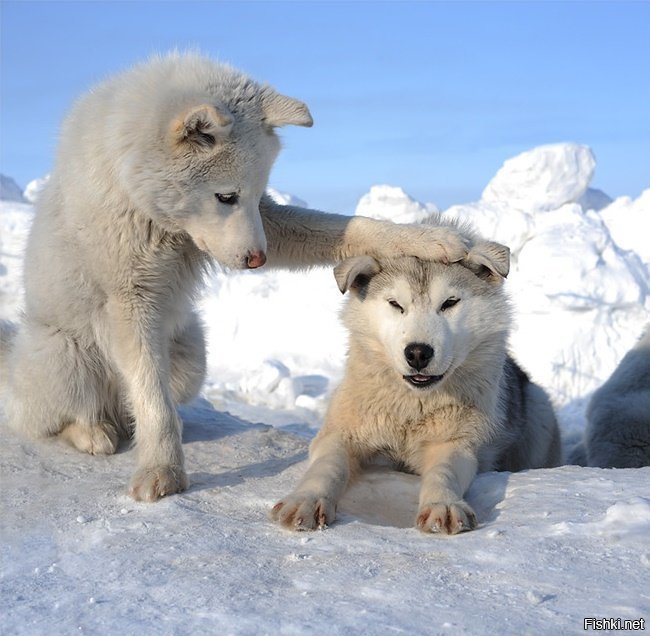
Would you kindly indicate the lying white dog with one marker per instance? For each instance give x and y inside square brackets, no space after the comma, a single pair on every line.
[429,385]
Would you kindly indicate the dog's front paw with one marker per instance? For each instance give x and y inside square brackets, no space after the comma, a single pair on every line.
[434,243]
[304,512]
[153,482]
[447,518]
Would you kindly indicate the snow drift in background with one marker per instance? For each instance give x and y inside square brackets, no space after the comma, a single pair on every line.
[393,204]
[578,282]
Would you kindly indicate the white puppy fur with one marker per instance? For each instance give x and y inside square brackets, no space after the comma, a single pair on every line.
[161,170]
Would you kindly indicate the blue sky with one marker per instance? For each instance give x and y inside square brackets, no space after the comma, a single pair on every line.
[430,96]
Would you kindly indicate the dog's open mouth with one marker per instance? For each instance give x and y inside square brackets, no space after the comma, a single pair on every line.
[422,381]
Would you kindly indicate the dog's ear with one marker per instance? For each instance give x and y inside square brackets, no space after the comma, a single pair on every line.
[489,261]
[202,126]
[355,273]
[280,110]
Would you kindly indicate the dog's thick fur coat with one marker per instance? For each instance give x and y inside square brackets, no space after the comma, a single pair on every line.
[618,415]
[160,171]
[429,385]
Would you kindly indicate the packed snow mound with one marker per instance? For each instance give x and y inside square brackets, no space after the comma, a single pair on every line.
[393,204]
[499,221]
[34,189]
[628,221]
[9,190]
[15,221]
[584,267]
[594,199]
[544,178]
[580,298]
[285,199]
[580,301]
[274,339]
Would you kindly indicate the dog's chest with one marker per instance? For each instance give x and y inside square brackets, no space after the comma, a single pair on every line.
[402,439]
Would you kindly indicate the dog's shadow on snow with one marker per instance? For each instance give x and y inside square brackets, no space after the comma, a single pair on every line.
[240,474]
[203,423]
[384,497]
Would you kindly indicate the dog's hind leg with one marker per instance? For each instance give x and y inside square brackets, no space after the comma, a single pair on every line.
[187,361]
[94,438]
[58,385]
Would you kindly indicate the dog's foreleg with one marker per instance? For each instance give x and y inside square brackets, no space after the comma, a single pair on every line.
[447,472]
[143,361]
[299,237]
[313,503]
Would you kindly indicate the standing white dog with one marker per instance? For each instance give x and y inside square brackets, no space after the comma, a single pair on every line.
[429,384]
[160,170]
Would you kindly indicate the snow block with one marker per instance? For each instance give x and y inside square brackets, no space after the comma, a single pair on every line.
[544,178]
[393,204]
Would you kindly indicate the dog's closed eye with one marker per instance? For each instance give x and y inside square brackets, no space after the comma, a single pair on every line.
[229,199]
[449,303]
[394,303]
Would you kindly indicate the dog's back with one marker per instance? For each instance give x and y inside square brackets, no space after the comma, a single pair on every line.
[529,423]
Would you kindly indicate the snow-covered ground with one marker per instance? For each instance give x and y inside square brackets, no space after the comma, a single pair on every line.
[554,546]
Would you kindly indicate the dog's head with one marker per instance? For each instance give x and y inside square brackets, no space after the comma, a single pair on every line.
[423,319]
[210,152]
[230,154]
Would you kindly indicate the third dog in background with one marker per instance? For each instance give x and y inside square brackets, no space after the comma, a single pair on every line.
[618,416]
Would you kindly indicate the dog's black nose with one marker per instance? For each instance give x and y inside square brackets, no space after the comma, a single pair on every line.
[418,355]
